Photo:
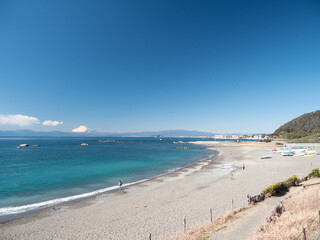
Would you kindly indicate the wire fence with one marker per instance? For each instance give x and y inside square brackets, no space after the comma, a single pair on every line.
[303,234]
[308,228]
[233,205]
[194,220]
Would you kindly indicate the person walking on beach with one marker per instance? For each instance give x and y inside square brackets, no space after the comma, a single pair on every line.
[243,167]
[119,184]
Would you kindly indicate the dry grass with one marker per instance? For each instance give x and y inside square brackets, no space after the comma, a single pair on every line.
[301,210]
[205,231]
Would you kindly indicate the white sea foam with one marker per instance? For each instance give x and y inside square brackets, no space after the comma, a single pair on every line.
[36,206]
[6,211]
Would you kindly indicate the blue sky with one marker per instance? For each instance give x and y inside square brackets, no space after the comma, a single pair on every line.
[118,66]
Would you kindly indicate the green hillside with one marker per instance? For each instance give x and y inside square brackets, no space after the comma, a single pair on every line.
[305,128]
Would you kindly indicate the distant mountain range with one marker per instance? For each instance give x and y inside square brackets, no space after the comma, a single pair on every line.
[165,133]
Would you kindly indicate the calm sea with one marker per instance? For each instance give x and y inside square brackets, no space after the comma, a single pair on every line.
[61,169]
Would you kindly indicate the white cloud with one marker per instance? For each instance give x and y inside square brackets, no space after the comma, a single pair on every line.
[51,123]
[18,119]
[81,129]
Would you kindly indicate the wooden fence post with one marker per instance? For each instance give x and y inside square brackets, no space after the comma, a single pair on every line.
[211,214]
[150,236]
[319,215]
[304,233]
[185,224]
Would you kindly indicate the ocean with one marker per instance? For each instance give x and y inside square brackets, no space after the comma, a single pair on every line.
[63,170]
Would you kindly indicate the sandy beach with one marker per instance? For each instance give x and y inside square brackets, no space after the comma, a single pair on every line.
[160,205]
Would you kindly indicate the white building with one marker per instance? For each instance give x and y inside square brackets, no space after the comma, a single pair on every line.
[219,136]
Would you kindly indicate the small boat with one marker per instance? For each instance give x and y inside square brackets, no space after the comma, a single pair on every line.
[299,151]
[288,153]
[299,154]
[309,155]
[311,152]
[18,147]
[24,145]
[226,166]
[266,157]
[84,144]
[35,145]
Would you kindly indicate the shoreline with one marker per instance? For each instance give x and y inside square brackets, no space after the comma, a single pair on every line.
[35,208]
[159,206]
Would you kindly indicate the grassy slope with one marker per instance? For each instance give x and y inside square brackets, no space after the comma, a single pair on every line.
[301,210]
[303,129]
[313,137]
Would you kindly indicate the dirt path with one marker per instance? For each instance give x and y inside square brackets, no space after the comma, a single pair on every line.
[248,223]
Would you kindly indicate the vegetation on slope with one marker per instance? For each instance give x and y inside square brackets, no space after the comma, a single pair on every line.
[301,210]
[305,128]
[304,123]
[314,173]
[280,187]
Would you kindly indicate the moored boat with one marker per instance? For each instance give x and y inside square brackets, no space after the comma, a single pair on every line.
[288,153]
[299,154]
[24,145]
[309,155]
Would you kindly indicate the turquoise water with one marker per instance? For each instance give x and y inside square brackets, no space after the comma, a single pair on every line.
[61,169]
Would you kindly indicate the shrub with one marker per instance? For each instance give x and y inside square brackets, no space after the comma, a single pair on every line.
[291,181]
[267,140]
[275,189]
[314,173]
[279,144]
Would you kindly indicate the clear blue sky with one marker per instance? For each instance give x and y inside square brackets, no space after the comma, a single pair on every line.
[219,66]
